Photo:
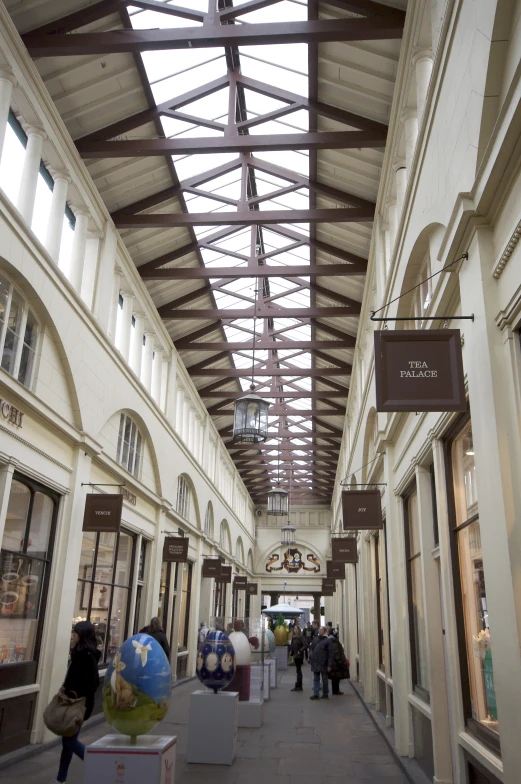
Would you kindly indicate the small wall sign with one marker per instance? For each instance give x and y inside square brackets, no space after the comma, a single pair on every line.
[336,571]
[175,549]
[103,512]
[361,510]
[10,413]
[128,496]
[344,550]
[419,370]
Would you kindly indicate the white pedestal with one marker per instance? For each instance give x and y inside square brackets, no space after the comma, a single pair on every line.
[212,727]
[267,670]
[256,683]
[250,713]
[272,664]
[113,760]
[282,657]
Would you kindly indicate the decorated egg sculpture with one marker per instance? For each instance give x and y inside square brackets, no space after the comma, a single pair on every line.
[215,665]
[271,640]
[137,686]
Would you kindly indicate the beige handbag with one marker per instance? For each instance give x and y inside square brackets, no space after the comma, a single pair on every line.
[64,715]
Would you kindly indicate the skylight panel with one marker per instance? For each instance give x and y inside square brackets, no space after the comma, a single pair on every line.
[188,78]
[151,20]
[292,57]
[274,74]
[190,165]
[280,12]
[297,161]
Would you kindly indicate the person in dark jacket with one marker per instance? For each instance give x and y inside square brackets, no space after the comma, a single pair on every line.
[308,637]
[296,649]
[321,659]
[339,668]
[82,680]
[155,630]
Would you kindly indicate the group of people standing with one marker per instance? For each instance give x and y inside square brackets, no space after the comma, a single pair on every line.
[319,644]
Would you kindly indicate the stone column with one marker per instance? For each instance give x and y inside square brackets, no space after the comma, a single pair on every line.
[148,358]
[31,168]
[79,246]
[136,347]
[401,186]
[57,213]
[164,385]
[114,303]
[410,132]
[157,370]
[392,216]
[126,325]
[104,286]
[7,82]
[422,62]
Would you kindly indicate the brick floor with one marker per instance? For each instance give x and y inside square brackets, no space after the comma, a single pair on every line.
[300,742]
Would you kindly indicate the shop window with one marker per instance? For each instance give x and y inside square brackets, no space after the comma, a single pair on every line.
[25,560]
[130,445]
[139,621]
[18,333]
[184,620]
[476,649]
[379,604]
[384,534]
[103,590]
[417,632]
[183,497]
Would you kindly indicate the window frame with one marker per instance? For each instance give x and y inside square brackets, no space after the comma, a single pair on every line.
[182,506]
[135,446]
[26,309]
[478,730]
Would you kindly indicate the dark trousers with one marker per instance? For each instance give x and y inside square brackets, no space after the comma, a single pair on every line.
[298,667]
[70,746]
[335,685]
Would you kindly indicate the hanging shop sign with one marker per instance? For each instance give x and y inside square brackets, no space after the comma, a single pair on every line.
[10,413]
[175,549]
[336,571]
[240,583]
[361,510]
[226,574]
[212,568]
[344,550]
[102,512]
[328,587]
[419,370]
[252,589]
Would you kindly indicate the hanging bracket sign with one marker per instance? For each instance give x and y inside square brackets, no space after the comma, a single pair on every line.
[419,370]
[252,589]
[328,587]
[344,550]
[103,512]
[212,568]
[175,549]
[240,583]
[361,510]
[336,571]
[226,574]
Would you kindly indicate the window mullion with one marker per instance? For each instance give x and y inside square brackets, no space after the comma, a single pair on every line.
[20,346]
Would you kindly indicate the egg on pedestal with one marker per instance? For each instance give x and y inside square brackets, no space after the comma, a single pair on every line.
[270,637]
[215,665]
[137,686]
[241,681]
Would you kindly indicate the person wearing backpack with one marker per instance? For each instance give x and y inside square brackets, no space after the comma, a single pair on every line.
[81,680]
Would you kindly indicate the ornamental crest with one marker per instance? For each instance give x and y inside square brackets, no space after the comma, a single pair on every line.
[293,562]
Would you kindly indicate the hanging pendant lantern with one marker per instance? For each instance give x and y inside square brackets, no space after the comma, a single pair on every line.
[250,414]
[250,419]
[287,537]
[278,502]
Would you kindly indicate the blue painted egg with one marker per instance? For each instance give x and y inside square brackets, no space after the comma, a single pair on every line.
[215,665]
[271,640]
[137,686]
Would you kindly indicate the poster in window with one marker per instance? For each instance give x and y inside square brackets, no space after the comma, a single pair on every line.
[103,512]
[336,570]
[362,510]
[344,550]
[419,370]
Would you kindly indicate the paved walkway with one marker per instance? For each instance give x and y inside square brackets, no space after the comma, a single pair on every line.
[300,742]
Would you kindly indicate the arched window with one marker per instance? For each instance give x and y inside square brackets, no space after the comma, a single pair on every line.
[130,445]
[18,333]
[208,521]
[183,497]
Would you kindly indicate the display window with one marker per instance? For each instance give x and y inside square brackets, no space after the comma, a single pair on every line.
[103,589]
[476,645]
[25,560]
[417,627]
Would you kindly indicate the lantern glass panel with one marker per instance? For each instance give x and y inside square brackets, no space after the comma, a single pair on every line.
[277,502]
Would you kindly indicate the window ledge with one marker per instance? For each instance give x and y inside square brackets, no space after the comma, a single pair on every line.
[420,705]
[476,749]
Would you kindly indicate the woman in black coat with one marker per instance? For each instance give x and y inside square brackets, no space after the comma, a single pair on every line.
[82,680]
[339,669]
[155,630]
